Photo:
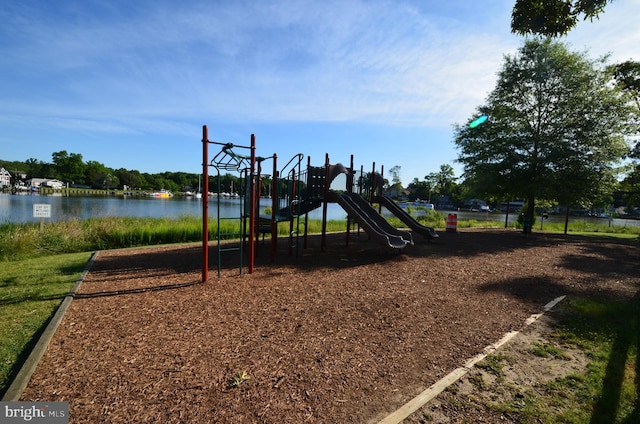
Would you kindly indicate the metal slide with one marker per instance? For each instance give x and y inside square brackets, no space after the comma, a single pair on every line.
[297,209]
[379,230]
[393,207]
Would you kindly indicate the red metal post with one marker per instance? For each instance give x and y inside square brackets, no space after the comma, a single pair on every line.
[205,204]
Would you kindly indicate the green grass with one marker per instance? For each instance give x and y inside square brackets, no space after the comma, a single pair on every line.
[586,228]
[492,364]
[21,241]
[608,332]
[608,391]
[546,350]
[30,292]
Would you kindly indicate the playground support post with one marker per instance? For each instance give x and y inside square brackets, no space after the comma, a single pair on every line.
[324,204]
[349,190]
[274,208]
[361,191]
[205,204]
[257,195]
[306,215]
[294,203]
[252,206]
[372,182]
[381,186]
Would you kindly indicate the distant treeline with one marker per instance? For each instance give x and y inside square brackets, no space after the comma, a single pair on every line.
[72,169]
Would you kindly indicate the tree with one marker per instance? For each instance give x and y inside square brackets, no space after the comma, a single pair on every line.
[419,190]
[442,182]
[395,174]
[69,167]
[552,17]
[94,173]
[627,77]
[630,190]
[132,179]
[396,182]
[34,168]
[555,128]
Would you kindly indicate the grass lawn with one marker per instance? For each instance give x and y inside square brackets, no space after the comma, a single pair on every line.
[30,292]
[607,391]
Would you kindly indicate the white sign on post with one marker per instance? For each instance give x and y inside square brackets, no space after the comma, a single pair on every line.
[41,210]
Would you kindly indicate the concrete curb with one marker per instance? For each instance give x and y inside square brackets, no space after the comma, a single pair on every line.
[423,398]
[21,380]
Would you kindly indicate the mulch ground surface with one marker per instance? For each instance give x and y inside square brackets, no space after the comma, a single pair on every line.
[347,335]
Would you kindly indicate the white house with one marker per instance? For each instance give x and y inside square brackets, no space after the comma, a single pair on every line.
[45,182]
[5,178]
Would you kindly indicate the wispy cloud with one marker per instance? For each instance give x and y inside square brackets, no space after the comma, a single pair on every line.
[373,61]
[151,66]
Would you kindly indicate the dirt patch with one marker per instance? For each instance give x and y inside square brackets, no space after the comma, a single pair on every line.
[347,335]
[521,366]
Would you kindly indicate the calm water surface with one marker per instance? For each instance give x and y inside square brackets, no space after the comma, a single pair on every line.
[18,208]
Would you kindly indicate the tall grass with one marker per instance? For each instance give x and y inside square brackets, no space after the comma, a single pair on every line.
[25,240]
[20,241]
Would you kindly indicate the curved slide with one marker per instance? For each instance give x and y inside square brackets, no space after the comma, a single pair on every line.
[393,207]
[369,219]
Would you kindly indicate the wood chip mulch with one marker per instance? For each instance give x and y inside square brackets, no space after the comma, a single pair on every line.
[347,335]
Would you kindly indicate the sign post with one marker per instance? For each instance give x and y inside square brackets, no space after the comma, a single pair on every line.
[42,211]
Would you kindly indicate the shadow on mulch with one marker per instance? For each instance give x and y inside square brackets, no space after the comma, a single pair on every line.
[153,263]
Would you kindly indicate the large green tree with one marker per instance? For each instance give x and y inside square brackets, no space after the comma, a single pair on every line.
[627,77]
[555,128]
[69,167]
[552,17]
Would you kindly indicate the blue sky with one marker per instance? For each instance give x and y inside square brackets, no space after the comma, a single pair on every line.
[130,83]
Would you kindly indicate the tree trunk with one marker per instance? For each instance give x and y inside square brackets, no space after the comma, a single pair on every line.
[506,216]
[566,220]
[531,209]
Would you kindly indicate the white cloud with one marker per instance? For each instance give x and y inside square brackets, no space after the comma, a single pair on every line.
[397,63]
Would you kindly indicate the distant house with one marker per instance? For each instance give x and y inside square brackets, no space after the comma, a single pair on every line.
[45,182]
[396,192]
[5,178]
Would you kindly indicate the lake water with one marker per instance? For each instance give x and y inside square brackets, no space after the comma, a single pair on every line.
[19,209]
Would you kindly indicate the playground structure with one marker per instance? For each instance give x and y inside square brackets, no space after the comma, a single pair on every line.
[295,191]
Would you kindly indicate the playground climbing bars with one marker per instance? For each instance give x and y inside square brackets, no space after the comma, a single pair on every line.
[228,160]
